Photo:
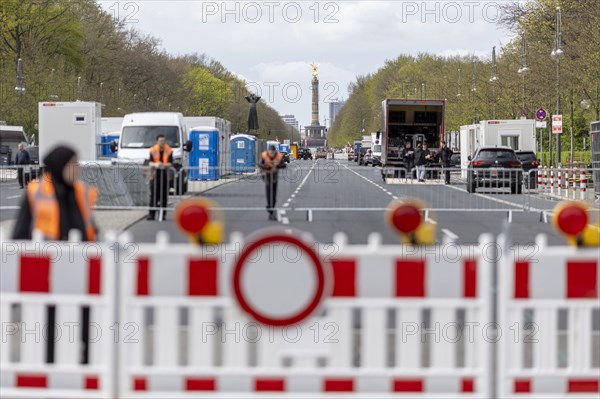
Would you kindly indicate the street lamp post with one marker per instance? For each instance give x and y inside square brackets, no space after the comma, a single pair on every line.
[557,54]
[493,80]
[523,70]
[20,88]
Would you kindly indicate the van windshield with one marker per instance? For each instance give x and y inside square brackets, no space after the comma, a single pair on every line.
[145,136]
[376,148]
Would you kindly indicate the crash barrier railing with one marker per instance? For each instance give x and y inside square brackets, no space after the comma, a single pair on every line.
[317,186]
[548,307]
[395,321]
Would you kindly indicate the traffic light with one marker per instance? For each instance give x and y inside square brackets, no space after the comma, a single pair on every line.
[572,220]
[197,219]
[406,218]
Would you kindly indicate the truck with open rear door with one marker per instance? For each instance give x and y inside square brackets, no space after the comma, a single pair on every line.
[406,120]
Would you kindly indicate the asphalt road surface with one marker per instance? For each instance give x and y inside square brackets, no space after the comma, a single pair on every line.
[350,199]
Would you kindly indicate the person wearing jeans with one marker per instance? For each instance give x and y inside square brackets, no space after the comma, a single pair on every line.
[420,163]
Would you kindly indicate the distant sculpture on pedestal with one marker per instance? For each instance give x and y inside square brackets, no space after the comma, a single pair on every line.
[252,113]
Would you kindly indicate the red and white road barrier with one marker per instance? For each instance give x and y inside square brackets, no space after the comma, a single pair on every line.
[540,179]
[552,181]
[583,180]
[46,281]
[388,320]
[559,181]
[391,299]
[551,291]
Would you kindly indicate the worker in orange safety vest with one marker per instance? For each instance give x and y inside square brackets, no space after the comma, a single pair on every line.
[58,202]
[161,159]
[271,161]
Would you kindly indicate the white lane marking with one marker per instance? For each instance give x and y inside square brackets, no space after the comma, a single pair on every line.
[13,197]
[504,202]
[371,181]
[285,220]
[282,212]
[450,234]
[287,202]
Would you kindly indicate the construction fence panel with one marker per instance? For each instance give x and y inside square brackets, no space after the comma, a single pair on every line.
[549,311]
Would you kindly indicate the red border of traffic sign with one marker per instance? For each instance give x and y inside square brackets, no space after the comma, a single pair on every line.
[294,318]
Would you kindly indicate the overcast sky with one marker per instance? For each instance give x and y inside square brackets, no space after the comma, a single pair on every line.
[271,44]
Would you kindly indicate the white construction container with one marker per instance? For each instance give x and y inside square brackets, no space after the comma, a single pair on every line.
[519,134]
[76,124]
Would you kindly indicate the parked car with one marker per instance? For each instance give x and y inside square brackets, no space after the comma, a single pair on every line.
[361,155]
[33,171]
[455,160]
[529,162]
[305,154]
[496,167]
[350,156]
[367,159]
[321,153]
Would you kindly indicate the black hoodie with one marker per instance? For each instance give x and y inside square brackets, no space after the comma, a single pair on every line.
[69,213]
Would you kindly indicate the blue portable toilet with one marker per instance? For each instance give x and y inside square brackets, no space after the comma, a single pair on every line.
[243,153]
[284,147]
[105,140]
[274,143]
[204,158]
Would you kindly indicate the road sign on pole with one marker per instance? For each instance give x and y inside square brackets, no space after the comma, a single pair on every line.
[557,121]
[541,114]
[279,280]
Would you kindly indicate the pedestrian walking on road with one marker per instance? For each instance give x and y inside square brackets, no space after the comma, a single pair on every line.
[420,162]
[161,159]
[408,153]
[57,202]
[445,154]
[21,159]
[270,163]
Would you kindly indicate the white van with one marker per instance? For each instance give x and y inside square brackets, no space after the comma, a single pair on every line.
[138,134]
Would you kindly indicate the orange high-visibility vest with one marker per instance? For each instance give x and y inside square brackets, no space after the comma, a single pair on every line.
[155,153]
[45,209]
[271,162]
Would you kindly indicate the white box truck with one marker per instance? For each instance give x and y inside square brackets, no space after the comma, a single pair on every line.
[519,134]
[76,124]
[139,132]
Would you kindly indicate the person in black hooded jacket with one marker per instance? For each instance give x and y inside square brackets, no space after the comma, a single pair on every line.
[60,186]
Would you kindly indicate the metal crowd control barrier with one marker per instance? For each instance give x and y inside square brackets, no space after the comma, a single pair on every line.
[160,320]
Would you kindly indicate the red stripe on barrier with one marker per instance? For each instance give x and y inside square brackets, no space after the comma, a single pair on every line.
[408,386]
[202,277]
[32,381]
[582,279]
[470,279]
[338,385]
[34,274]
[410,278]
[467,385]
[200,384]
[140,384]
[584,386]
[94,276]
[142,276]
[269,385]
[92,383]
[344,277]
[522,386]
[521,280]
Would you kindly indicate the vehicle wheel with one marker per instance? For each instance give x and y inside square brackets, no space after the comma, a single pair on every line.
[471,186]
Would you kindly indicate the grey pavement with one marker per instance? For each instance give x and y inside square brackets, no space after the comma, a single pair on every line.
[351,199]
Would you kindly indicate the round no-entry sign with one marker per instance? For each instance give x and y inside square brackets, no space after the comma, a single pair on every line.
[278,280]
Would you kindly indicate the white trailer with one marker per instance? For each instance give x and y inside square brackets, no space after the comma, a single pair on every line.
[519,134]
[76,124]
[366,142]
